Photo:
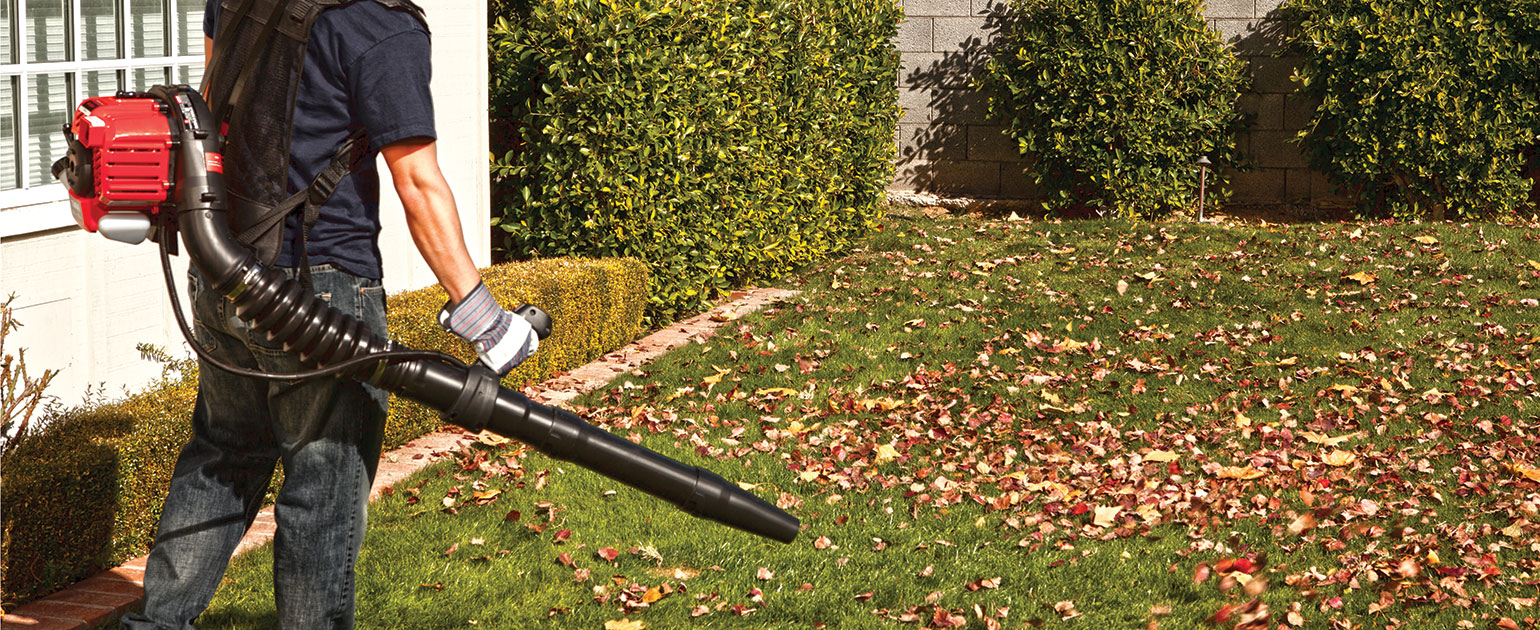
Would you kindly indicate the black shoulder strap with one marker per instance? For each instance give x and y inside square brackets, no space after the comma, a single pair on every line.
[269,21]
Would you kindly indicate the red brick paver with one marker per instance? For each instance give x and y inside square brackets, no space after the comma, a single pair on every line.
[100,599]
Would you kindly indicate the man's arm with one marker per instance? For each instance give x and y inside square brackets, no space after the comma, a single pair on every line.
[431,214]
[502,339]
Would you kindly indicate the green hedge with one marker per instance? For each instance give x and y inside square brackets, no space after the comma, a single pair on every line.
[85,492]
[1113,102]
[721,141]
[1426,105]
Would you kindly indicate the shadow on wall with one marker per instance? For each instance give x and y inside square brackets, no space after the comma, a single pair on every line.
[950,146]
[947,143]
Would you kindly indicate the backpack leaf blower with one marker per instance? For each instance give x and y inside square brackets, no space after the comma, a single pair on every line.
[148,165]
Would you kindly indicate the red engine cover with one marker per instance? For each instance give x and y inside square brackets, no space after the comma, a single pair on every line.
[129,140]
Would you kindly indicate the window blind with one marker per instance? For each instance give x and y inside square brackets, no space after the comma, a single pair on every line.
[48,111]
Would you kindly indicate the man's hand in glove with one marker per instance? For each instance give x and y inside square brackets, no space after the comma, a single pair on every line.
[503,340]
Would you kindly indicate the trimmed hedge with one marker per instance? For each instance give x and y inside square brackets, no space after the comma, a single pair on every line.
[721,141]
[1114,101]
[84,493]
[1426,106]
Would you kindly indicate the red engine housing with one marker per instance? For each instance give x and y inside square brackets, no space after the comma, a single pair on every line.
[120,158]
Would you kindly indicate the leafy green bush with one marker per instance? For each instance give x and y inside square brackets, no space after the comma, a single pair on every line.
[84,493]
[1426,107]
[1114,101]
[721,142]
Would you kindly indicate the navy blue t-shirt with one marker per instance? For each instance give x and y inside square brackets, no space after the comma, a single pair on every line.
[367,66]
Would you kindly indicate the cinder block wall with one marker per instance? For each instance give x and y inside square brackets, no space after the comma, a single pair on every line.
[948,145]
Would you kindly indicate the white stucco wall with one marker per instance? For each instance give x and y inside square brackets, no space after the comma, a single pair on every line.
[86,302]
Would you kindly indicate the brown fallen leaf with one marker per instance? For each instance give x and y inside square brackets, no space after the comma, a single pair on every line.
[1240,472]
[1339,458]
[1066,609]
[1322,438]
[1363,278]
[1302,523]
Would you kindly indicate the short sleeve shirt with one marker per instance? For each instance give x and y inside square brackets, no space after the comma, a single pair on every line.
[367,66]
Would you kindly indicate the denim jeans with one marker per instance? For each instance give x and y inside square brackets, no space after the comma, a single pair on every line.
[327,433]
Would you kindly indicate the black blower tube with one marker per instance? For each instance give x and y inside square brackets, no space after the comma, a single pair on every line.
[471,397]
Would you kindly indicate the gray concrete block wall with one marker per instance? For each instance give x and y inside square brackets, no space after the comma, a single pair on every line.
[947,143]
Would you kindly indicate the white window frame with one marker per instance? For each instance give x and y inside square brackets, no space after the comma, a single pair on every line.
[32,208]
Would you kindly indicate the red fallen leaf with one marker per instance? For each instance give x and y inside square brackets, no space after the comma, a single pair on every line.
[1080,508]
[564,558]
[1225,565]
[1223,614]
[805,587]
[1201,574]
[861,597]
[562,536]
[756,595]
[608,553]
[1244,565]
[452,549]
[512,516]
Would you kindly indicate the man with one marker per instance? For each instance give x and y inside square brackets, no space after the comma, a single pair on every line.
[367,67]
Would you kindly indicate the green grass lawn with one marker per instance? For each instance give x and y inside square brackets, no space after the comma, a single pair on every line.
[1036,424]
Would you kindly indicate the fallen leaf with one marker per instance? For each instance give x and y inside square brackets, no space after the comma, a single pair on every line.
[1321,438]
[1339,458]
[1104,516]
[765,574]
[491,439]
[1362,278]
[1526,471]
[624,624]
[1066,609]
[1240,472]
[1425,240]
[1161,456]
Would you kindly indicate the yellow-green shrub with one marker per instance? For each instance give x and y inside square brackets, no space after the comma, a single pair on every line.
[596,306]
[721,141]
[84,492]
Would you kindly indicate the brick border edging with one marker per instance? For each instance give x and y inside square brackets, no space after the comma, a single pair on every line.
[106,595]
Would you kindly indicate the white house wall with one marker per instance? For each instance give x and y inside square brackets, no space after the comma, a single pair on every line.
[86,302]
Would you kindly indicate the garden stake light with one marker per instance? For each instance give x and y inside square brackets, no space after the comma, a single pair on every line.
[1203,165]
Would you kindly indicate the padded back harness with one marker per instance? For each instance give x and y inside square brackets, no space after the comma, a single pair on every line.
[251,86]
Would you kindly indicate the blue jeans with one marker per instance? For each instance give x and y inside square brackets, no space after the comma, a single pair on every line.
[327,433]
